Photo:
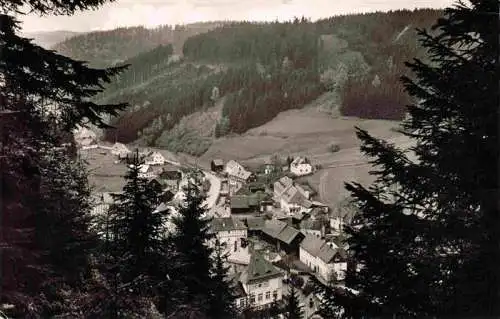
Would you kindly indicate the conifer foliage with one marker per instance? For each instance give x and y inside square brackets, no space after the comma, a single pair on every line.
[45,238]
[430,224]
[293,309]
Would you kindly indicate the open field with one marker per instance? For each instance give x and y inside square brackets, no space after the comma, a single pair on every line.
[310,132]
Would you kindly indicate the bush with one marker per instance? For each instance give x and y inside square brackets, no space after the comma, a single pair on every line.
[334,148]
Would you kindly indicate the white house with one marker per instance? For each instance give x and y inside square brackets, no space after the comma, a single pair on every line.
[85,137]
[292,198]
[323,258]
[344,215]
[155,158]
[236,172]
[262,283]
[146,171]
[119,149]
[232,233]
[101,203]
[301,166]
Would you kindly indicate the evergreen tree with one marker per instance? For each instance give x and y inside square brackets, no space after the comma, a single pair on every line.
[222,305]
[192,264]
[293,310]
[137,228]
[430,224]
[43,97]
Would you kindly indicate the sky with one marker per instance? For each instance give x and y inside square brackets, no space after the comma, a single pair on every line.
[152,13]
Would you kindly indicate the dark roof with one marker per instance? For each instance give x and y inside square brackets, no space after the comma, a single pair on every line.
[239,201]
[259,269]
[311,224]
[255,223]
[170,174]
[227,224]
[239,291]
[280,230]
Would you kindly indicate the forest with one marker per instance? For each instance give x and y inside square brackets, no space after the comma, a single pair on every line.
[262,69]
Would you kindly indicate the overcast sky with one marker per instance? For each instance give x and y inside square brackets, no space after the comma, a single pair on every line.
[157,12]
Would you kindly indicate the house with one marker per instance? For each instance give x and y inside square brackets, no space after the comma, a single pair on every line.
[85,137]
[301,166]
[146,171]
[314,227]
[255,225]
[120,149]
[342,217]
[281,234]
[170,179]
[217,165]
[269,166]
[307,190]
[102,202]
[325,259]
[292,197]
[262,283]
[236,172]
[244,204]
[232,233]
[155,158]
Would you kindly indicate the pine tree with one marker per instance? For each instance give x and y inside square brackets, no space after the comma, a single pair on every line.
[192,263]
[430,230]
[137,228]
[293,309]
[43,97]
[222,305]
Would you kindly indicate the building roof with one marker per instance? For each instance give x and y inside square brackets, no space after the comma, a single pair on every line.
[318,247]
[218,162]
[288,234]
[170,174]
[239,201]
[259,269]
[311,224]
[280,230]
[227,224]
[234,168]
[282,184]
[255,223]
[299,160]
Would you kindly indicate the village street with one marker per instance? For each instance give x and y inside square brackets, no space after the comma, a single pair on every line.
[213,192]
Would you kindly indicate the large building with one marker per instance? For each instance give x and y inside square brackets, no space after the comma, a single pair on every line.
[260,283]
[232,233]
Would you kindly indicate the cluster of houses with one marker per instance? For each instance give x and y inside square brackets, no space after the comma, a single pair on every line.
[274,229]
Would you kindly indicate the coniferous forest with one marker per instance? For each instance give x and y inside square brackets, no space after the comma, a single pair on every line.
[259,70]
[426,238]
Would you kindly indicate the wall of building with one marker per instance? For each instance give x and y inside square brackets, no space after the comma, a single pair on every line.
[260,294]
[301,169]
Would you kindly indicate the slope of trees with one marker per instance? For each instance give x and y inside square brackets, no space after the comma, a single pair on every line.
[430,228]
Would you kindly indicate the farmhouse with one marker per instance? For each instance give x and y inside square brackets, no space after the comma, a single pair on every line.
[217,165]
[262,283]
[155,158]
[236,172]
[146,171]
[325,259]
[284,236]
[232,233]
[341,218]
[301,166]
[292,198]
[120,149]
[102,202]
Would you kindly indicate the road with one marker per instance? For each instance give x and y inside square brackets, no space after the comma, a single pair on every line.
[213,192]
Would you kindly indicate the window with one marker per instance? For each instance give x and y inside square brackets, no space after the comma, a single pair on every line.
[268,295]
[252,298]
[275,294]
[242,302]
[235,246]
[259,298]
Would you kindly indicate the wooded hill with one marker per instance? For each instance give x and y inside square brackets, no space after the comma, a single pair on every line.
[260,69]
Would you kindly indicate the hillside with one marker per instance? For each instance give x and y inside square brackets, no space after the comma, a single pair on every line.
[255,71]
[50,38]
[105,48]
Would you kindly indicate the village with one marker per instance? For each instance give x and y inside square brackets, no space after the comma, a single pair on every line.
[275,231]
